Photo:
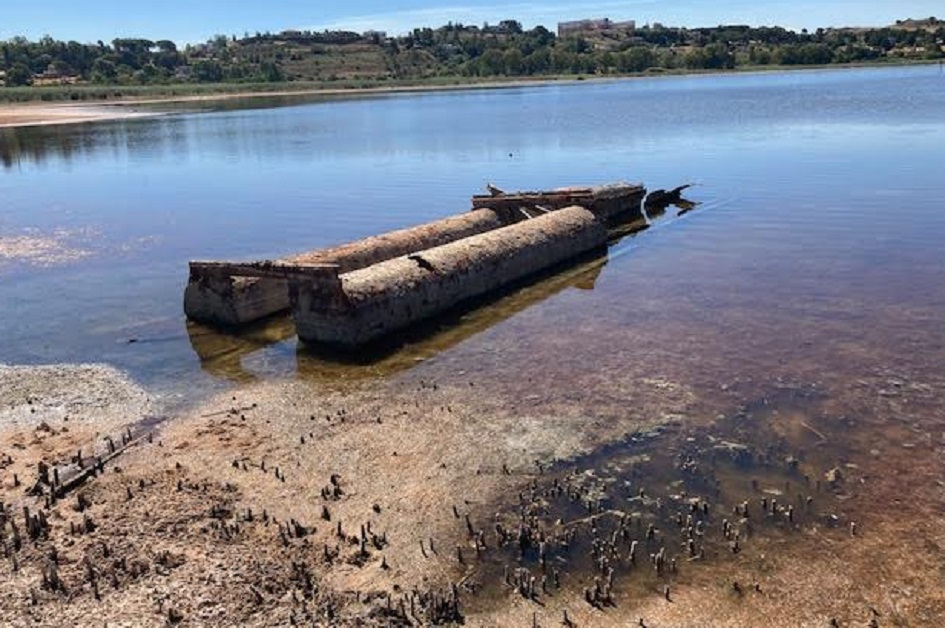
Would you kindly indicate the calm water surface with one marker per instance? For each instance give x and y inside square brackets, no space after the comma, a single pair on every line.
[817,245]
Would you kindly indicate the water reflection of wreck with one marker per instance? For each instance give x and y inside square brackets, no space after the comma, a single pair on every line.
[222,354]
[360,293]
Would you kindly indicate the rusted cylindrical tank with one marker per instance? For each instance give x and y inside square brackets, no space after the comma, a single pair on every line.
[220,299]
[363,305]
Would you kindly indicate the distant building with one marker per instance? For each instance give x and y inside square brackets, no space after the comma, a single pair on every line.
[375,35]
[576,27]
[54,77]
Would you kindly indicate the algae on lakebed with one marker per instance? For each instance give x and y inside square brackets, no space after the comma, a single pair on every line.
[284,501]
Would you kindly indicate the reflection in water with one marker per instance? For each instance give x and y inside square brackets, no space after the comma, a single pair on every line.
[821,182]
[70,142]
[427,339]
[163,135]
[685,206]
[267,102]
[171,132]
[658,201]
[222,354]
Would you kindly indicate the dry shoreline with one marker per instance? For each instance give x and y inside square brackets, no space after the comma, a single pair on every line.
[26,115]
[44,114]
[281,502]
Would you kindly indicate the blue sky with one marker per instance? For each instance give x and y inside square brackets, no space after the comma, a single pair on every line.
[197,20]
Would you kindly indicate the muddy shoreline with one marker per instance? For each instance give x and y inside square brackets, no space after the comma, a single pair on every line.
[380,504]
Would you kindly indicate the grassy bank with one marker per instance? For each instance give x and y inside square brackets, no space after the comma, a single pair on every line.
[119,93]
[89,93]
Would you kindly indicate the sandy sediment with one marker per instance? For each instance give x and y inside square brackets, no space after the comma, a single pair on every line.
[32,114]
[51,413]
[89,396]
[250,491]
[45,115]
[285,502]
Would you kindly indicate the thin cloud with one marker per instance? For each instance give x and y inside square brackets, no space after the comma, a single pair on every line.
[790,13]
[531,14]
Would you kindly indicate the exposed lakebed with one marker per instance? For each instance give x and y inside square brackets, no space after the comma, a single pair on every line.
[780,342]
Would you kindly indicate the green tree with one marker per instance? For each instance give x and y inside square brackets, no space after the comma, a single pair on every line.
[492,62]
[577,44]
[637,59]
[271,72]
[512,60]
[208,71]
[538,62]
[815,54]
[104,71]
[19,75]
[541,36]
[512,27]
[62,67]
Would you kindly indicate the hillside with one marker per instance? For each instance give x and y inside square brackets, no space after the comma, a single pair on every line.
[451,51]
[928,24]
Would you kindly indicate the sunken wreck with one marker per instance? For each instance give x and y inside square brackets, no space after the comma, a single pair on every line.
[351,295]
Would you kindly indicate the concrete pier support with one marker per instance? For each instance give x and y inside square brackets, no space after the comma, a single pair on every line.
[221,299]
[233,294]
[363,305]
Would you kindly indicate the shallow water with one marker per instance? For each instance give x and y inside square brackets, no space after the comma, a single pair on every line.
[698,497]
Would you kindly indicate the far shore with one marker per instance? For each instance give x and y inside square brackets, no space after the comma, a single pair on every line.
[44,113]
[41,113]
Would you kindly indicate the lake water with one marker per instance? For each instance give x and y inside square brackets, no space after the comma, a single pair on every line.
[815,253]
[788,333]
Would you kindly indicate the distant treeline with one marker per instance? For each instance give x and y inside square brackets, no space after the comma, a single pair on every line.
[454,50]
